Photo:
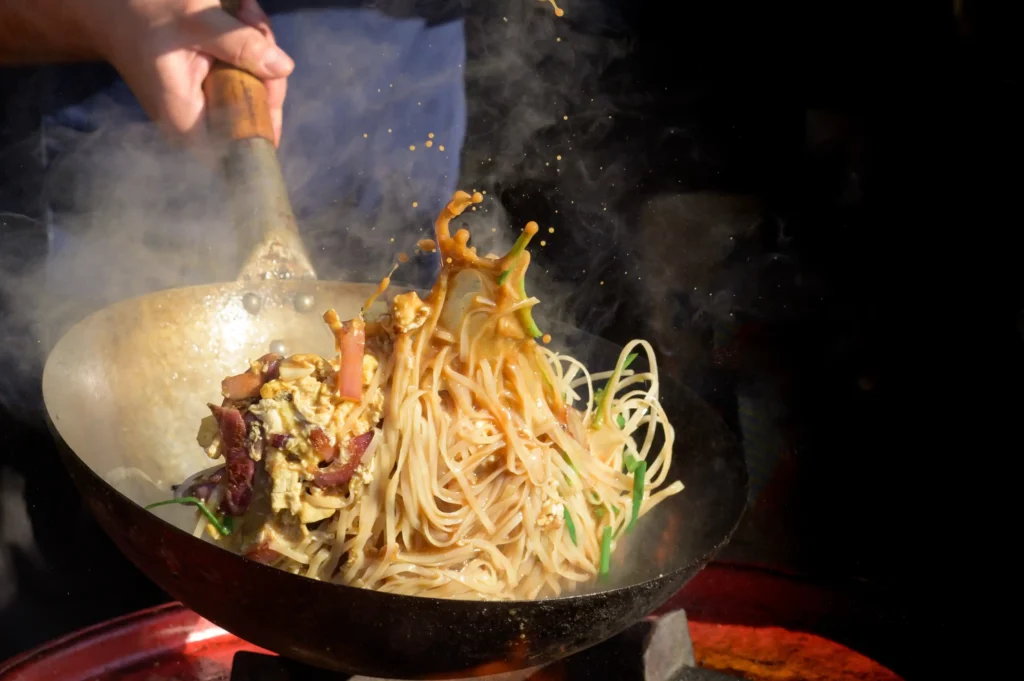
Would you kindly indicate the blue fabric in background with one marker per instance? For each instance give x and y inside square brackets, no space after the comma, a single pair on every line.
[367,87]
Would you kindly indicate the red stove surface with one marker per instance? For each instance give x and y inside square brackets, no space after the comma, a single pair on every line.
[172,643]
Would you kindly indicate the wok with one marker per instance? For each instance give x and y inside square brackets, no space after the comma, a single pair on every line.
[126,387]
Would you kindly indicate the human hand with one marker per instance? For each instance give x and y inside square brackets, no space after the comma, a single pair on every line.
[164,49]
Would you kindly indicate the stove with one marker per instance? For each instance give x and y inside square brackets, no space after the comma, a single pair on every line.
[652,650]
[172,643]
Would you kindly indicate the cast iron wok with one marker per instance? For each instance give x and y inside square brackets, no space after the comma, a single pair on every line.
[125,390]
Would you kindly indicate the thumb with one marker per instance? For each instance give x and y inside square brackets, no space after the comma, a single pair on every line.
[225,38]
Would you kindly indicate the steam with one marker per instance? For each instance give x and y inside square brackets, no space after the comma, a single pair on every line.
[539,120]
[134,214]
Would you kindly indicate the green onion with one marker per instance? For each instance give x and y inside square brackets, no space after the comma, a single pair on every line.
[570,525]
[602,394]
[526,316]
[571,464]
[630,462]
[224,528]
[504,277]
[520,245]
[606,549]
[598,409]
[639,479]
[621,420]
[599,512]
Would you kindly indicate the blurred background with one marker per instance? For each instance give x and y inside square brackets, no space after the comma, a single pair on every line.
[804,206]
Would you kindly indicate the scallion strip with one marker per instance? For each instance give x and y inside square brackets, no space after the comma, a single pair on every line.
[520,245]
[606,550]
[223,528]
[601,395]
[630,462]
[639,480]
[621,420]
[570,525]
[503,277]
[525,314]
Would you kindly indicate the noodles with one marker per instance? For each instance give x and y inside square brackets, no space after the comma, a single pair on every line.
[474,462]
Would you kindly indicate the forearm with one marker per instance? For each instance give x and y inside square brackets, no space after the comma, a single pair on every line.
[34,31]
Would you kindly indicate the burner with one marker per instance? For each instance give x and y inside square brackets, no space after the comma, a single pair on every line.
[651,650]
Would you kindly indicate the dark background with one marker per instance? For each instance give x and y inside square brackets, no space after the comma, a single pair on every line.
[879,141]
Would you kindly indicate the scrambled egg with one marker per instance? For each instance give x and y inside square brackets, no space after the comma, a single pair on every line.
[409,312]
[209,436]
[301,399]
[286,493]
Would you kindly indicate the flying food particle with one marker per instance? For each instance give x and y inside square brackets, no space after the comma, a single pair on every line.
[429,144]
[412,147]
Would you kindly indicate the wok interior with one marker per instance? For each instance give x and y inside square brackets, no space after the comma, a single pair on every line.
[126,389]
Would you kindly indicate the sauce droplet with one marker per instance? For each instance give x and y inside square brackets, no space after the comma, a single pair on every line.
[551,230]
[558,10]
[412,147]
[403,258]
[546,338]
[430,135]
[415,204]
[427,245]
[440,148]
[429,144]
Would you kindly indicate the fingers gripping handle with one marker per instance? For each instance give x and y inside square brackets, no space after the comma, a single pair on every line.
[236,100]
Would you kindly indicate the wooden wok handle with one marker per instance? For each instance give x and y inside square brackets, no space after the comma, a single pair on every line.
[238,111]
[237,100]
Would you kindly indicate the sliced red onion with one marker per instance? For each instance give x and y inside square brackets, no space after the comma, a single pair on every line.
[278,440]
[271,366]
[241,387]
[238,465]
[262,554]
[322,444]
[339,476]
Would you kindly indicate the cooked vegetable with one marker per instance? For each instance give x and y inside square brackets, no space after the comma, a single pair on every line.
[570,525]
[606,550]
[223,527]
[601,396]
[639,480]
